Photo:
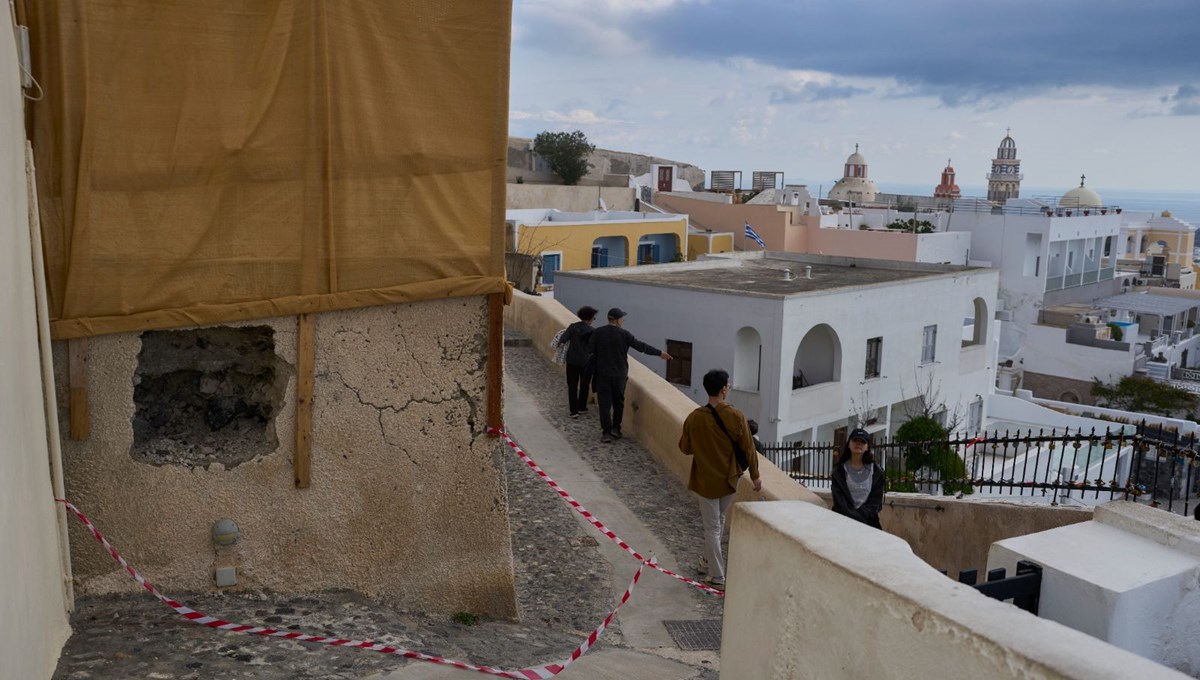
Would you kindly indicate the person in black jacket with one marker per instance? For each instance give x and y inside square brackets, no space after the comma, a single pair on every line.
[858,481]
[610,346]
[579,369]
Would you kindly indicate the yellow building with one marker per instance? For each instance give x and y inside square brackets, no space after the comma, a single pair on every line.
[569,241]
[1161,246]
[706,241]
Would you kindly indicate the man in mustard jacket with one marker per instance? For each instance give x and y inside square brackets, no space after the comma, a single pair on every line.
[714,435]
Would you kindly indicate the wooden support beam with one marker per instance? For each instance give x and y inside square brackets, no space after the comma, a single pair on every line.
[495,361]
[77,356]
[305,340]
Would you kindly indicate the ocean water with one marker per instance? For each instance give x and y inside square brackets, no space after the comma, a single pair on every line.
[1183,205]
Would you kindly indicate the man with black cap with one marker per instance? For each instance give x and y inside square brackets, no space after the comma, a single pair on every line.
[610,346]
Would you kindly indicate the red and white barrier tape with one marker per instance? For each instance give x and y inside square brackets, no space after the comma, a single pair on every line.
[596,522]
[535,673]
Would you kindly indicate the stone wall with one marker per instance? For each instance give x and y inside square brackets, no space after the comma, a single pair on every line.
[1057,388]
[407,500]
[604,162]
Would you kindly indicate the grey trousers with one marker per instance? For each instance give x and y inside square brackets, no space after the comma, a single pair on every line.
[712,513]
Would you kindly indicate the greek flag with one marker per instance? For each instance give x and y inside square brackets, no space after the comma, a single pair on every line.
[750,233]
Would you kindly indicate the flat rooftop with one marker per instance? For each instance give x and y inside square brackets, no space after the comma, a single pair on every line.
[1148,303]
[763,274]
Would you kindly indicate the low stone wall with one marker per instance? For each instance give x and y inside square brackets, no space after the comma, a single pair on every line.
[407,500]
[816,595]
[654,409]
[956,534]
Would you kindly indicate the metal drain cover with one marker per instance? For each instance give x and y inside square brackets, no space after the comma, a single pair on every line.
[695,635]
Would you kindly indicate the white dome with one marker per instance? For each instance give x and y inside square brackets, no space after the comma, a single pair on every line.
[1080,197]
[856,158]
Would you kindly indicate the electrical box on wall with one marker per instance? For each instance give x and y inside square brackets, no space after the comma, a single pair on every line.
[23,54]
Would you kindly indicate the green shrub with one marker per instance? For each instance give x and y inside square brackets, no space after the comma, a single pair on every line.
[465,618]
[926,448]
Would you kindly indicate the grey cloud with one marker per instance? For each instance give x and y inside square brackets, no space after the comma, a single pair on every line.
[961,52]
[1185,101]
[813,92]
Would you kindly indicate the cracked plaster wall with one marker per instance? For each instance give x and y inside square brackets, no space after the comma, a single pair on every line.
[407,501]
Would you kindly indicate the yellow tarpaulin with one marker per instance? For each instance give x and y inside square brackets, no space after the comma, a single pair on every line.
[204,161]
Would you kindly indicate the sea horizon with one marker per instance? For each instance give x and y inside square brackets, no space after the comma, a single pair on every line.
[1184,205]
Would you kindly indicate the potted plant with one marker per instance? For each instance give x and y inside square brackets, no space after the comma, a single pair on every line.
[1068,213]
[1118,211]
[1087,212]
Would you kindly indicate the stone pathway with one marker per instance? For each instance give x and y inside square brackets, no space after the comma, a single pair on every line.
[564,578]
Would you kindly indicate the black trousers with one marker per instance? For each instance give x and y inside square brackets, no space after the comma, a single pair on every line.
[579,379]
[610,392]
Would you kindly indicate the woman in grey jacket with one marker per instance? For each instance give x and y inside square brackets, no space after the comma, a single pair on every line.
[858,481]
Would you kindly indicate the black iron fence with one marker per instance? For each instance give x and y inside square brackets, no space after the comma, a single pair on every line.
[1149,464]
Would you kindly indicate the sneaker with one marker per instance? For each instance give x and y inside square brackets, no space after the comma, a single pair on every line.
[582,411]
[702,566]
[606,438]
[574,415]
[616,434]
[718,583]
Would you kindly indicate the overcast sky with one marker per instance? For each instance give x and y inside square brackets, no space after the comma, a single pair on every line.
[1110,88]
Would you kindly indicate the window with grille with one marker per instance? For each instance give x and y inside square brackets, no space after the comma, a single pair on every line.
[679,368]
[929,344]
[874,357]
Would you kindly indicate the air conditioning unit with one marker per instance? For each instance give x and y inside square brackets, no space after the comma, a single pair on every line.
[1004,315]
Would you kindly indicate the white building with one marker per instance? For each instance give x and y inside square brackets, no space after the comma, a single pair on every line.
[1048,255]
[814,344]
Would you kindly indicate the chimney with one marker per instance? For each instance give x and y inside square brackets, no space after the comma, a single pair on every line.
[787,275]
[808,271]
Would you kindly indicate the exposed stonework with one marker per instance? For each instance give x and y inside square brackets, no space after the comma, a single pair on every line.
[407,501]
[207,395]
[1058,389]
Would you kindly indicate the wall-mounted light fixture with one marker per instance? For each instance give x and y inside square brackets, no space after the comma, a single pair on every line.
[224,533]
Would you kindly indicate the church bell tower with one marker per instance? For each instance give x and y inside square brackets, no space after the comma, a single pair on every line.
[1004,181]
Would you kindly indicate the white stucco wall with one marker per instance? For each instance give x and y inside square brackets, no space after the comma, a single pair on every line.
[898,311]
[33,606]
[812,594]
[951,247]
[1001,240]
[567,198]
[1047,351]
[1128,577]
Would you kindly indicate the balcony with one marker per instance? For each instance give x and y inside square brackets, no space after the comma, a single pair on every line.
[815,400]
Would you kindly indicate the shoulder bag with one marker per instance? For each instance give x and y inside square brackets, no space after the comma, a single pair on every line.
[737,448]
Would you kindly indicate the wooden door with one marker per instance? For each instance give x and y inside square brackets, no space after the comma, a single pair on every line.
[665,177]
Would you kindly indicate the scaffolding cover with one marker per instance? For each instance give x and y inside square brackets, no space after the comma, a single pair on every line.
[205,161]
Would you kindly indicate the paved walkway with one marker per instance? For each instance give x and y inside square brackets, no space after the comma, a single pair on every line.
[567,575]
